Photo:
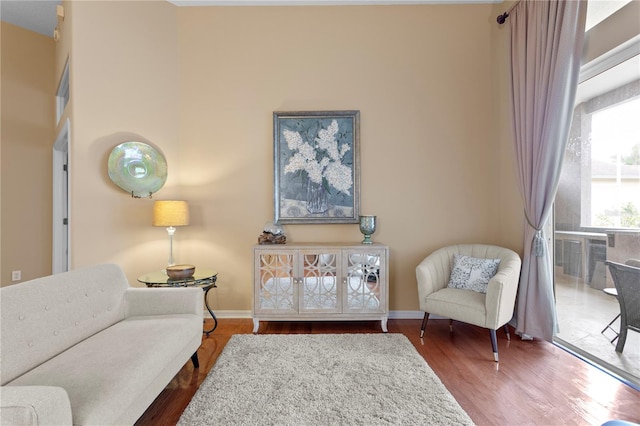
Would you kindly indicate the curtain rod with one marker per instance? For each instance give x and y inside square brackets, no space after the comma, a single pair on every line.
[503,18]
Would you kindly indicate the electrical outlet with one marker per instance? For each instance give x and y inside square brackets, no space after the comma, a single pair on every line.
[16,275]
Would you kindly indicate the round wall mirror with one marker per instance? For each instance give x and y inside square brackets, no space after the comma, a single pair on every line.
[137,168]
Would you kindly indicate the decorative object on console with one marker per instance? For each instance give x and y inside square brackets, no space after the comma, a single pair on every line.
[170,214]
[367,227]
[137,168]
[272,234]
[316,156]
[180,272]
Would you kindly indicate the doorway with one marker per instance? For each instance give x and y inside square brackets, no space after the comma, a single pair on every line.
[60,249]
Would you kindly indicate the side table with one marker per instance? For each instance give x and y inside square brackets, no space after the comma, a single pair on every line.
[203,278]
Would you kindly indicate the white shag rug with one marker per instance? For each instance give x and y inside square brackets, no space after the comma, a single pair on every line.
[322,379]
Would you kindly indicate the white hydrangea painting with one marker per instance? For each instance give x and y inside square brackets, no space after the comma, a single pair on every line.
[316,167]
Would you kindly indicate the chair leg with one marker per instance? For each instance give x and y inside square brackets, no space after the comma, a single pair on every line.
[622,338]
[194,360]
[506,330]
[450,326]
[609,326]
[494,344]
[424,323]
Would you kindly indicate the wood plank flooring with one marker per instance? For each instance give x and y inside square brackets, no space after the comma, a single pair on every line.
[535,383]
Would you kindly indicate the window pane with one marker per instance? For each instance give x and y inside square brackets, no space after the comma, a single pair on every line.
[615,166]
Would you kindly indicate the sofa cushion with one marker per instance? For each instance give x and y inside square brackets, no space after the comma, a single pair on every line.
[471,273]
[112,370]
[43,317]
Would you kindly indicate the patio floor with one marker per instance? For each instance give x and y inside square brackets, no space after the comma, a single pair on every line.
[582,314]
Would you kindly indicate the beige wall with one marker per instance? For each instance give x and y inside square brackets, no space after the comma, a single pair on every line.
[201,85]
[124,66]
[510,208]
[422,85]
[27,135]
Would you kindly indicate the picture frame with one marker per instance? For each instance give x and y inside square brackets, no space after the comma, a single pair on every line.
[316,166]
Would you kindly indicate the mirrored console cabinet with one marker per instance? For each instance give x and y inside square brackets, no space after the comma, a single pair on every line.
[320,282]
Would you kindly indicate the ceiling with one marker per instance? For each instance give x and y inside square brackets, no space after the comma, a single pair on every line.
[40,15]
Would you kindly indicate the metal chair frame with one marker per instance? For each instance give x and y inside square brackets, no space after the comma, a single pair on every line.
[627,281]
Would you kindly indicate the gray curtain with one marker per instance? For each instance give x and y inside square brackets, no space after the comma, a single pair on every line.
[546,45]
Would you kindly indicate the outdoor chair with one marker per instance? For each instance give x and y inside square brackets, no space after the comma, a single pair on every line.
[626,279]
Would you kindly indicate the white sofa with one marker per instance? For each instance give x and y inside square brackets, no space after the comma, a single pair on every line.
[85,348]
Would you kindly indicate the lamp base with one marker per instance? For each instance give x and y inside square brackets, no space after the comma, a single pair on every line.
[171,230]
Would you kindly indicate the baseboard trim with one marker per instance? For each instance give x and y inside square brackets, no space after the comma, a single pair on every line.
[406,315]
[247,314]
[229,314]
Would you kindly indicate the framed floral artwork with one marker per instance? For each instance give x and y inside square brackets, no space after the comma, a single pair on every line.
[316,158]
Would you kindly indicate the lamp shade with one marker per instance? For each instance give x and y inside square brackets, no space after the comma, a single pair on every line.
[170,213]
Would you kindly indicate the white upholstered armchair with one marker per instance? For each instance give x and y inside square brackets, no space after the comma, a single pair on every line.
[443,295]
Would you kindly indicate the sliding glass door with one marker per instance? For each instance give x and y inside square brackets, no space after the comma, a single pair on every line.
[597,214]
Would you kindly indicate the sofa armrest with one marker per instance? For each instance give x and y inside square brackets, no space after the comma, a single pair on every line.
[163,301]
[34,405]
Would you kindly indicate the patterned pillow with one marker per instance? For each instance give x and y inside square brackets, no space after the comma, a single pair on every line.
[470,273]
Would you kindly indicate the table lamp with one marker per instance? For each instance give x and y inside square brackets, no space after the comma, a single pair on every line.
[170,214]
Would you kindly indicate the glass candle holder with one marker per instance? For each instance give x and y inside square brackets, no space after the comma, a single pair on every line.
[367,227]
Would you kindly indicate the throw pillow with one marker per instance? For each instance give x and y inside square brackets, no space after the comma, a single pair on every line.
[471,273]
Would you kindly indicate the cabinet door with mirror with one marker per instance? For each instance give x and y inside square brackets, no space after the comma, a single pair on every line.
[365,272]
[320,281]
[300,281]
[275,291]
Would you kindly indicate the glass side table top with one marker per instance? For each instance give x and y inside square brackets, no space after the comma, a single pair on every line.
[159,278]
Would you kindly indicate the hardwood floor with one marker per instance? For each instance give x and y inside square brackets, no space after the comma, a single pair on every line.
[535,383]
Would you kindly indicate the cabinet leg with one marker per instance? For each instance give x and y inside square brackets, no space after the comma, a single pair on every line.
[383,324]
[256,325]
